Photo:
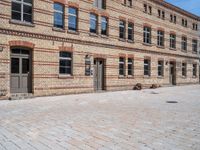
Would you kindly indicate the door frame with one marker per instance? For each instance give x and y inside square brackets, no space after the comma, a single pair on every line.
[174,76]
[103,74]
[30,76]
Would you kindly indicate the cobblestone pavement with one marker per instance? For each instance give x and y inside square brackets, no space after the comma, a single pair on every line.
[127,120]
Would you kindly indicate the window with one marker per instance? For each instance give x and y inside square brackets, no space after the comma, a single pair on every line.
[160,68]
[160,38]
[147,71]
[173,18]
[145,8]
[147,35]
[128,3]
[130,66]
[163,15]
[58,15]
[184,22]
[122,29]
[194,70]
[101,4]
[93,23]
[104,26]
[195,26]
[22,10]
[159,13]
[194,46]
[130,31]
[184,69]
[65,63]
[122,66]
[184,44]
[172,41]
[150,10]
[72,22]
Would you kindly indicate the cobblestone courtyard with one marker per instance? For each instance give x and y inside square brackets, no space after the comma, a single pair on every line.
[127,120]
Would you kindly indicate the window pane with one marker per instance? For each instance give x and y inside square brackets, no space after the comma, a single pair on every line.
[58,7]
[25,65]
[16,11]
[14,65]
[93,23]
[28,1]
[58,20]
[104,26]
[27,9]
[27,18]
[65,54]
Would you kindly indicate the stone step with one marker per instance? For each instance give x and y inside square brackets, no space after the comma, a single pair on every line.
[20,96]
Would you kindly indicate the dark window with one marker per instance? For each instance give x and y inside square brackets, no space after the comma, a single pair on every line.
[171,18]
[147,35]
[130,31]
[172,41]
[25,65]
[184,22]
[101,4]
[150,10]
[159,13]
[93,23]
[160,68]
[145,8]
[194,46]
[129,3]
[184,43]
[15,65]
[163,15]
[58,15]
[122,29]
[72,20]
[122,66]
[22,10]
[194,70]
[147,66]
[160,38]
[174,19]
[130,66]
[104,26]
[184,69]
[65,63]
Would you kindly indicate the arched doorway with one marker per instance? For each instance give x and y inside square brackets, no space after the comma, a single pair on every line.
[21,70]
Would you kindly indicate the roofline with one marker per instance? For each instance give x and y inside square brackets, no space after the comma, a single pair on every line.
[178,9]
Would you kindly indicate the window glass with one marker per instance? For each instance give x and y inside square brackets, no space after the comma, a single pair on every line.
[147,67]
[147,35]
[14,65]
[93,23]
[58,15]
[130,31]
[121,66]
[122,29]
[160,68]
[65,63]
[130,66]
[72,22]
[104,25]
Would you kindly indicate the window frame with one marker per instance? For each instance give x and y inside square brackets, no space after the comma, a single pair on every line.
[95,19]
[106,22]
[66,59]
[100,4]
[73,15]
[194,70]
[148,64]
[122,26]
[147,35]
[194,46]
[184,43]
[122,62]
[184,69]
[160,38]
[22,13]
[131,29]
[173,41]
[130,64]
[60,12]
[161,66]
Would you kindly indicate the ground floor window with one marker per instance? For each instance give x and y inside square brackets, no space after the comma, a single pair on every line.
[184,69]
[130,66]
[160,68]
[194,70]
[65,64]
[122,66]
[147,67]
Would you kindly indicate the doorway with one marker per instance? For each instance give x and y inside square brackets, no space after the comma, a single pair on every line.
[98,74]
[172,73]
[20,79]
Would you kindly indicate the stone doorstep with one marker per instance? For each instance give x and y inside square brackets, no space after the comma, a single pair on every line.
[20,96]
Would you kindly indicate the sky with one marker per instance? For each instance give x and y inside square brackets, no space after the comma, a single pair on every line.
[192,6]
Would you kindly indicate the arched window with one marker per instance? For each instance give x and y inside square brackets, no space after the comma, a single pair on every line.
[22,10]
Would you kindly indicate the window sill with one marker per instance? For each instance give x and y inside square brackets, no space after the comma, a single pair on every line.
[130,41]
[67,76]
[194,52]
[21,23]
[194,77]
[184,77]
[122,77]
[104,36]
[58,29]
[173,49]
[160,77]
[130,77]
[93,34]
[121,39]
[73,32]
[184,51]
[147,44]
[147,76]
[163,47]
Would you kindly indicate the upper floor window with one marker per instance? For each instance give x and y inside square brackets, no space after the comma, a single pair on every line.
[122,66]
[195,26]
[93,23]
[104,25]
[101,4]
[161,14]
[194,45]
[160,38]
[173,18]
[65,61]
[128,3]
[22,10]
[58,15]
[130,31]
[172,41]
[147,35]
[147,9]
[122,29]
[184,44]
[72,19]
[184,22]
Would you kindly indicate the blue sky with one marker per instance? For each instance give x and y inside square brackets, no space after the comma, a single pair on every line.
[192,6]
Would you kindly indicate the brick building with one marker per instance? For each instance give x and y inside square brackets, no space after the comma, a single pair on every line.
[52,47]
